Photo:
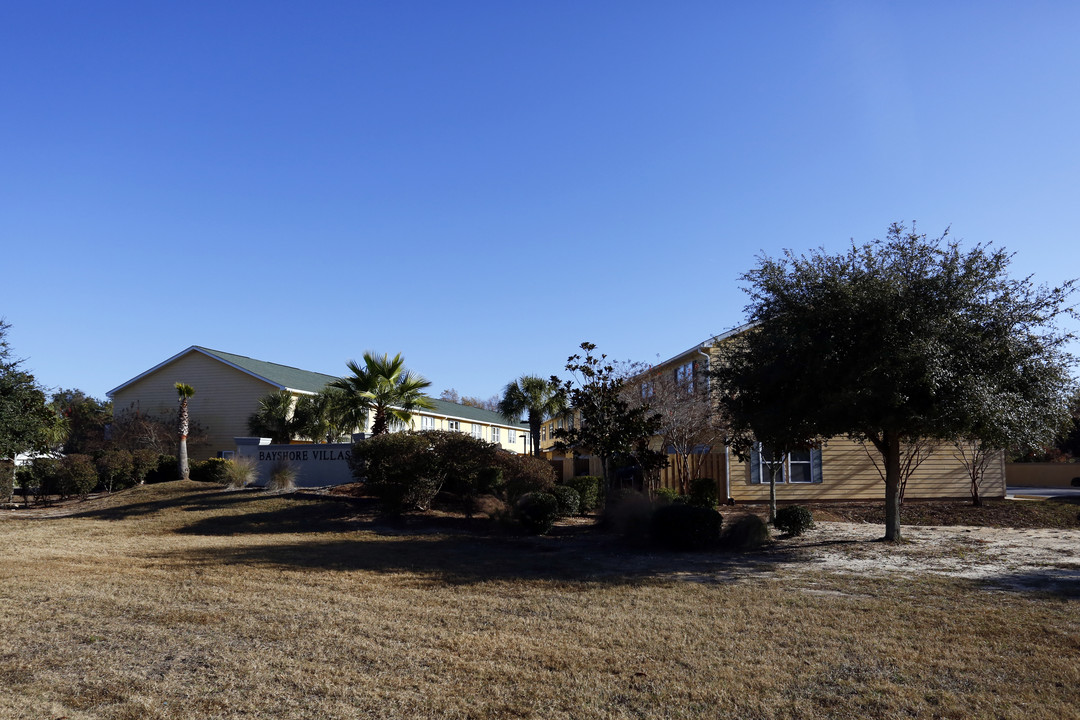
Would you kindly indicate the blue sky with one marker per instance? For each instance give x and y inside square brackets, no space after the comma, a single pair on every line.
[483,185]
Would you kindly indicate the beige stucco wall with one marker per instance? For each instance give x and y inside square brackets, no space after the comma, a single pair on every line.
[224,398]
[1042,474]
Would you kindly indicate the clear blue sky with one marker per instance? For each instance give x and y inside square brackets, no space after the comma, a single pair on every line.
[483,185]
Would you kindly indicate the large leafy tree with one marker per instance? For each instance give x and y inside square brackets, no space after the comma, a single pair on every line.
[27,423]
[610,425]
[898,339]
[536,399]
[383,387]
[87,419]
[183,423]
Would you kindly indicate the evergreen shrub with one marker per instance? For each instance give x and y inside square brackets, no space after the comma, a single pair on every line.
[703,492]
[794,520]
[686,527]
[745,533]
[569,500]
[537,512]
[590,490]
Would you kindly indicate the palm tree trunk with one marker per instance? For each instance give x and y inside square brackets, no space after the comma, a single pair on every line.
[182,457]
[534,429]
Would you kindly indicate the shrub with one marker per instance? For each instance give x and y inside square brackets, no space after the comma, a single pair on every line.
[686,527]
[629,514]
[77,475]
[43,478]
[569,500]
[490,480]
[537,512]
[142,463]
[589,490]
[282,476]
[703,492]
[398,469]
[667,496]
[524,474]
[794,520]
[166,470]
[115,468]
[240,471]
[212,470]
[746,533]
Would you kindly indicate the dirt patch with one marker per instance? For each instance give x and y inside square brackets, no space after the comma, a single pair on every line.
[1020,558]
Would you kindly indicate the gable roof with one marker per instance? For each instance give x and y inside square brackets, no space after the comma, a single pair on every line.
[305,381]
[283,377]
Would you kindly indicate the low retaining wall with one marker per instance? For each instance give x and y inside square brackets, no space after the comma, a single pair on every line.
[1043,474]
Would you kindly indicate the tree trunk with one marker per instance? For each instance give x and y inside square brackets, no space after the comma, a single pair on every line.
[534,431]
[182,458]
[772,494]
[891,457]
[185,471]
[609,491]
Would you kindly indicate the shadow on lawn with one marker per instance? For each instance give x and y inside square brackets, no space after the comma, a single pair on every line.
[466,559]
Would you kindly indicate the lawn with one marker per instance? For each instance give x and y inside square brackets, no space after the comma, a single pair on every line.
[185,601]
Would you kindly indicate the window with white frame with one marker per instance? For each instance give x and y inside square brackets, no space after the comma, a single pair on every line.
[797,467]
[478,431]
[647,390]
[495,435]
[427,423]
[511,436]
[684,376]
[543,433]
[453,425]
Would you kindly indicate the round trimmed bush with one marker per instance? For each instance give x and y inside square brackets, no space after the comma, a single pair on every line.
[537,512]
[667,496]
[569,500]
[589,490]
[746,533]
[703,492]
[686,527]
[794,520]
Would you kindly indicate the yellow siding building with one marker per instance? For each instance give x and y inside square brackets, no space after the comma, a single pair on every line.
[840,470]
[228,388]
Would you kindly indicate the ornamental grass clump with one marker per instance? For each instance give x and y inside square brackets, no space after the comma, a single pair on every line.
[793,520]
[239,472]
[282,477]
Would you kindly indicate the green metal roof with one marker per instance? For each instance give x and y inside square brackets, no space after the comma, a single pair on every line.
[468,412]
[305,380]
[281,375]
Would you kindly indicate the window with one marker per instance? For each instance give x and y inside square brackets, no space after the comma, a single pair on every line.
[558,423]
[647,390]
[511,436]
[543,433]
[427,423]
[801,466]
[453,425]
[478,431]
[494,434]
[684,376]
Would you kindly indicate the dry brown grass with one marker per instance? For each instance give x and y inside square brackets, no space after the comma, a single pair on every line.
[175,601]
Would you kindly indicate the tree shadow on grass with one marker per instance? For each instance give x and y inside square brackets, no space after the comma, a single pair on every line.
[462,560]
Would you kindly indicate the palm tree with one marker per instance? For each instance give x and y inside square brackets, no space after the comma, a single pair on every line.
[274,418]
[535,397]
[324,416]
[385,387]
[184,392]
